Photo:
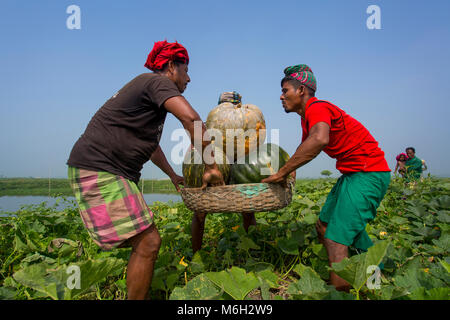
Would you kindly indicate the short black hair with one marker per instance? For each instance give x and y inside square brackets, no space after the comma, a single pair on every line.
[410,148]
[296,84]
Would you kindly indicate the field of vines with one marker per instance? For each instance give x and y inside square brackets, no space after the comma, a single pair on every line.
[279,259]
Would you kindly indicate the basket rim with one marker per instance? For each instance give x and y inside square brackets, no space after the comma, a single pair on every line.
[228,186]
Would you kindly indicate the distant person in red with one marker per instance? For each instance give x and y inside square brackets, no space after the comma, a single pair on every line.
[354,199]
[401,164]
[105,162]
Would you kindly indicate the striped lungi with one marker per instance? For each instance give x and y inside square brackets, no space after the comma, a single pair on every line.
[112,208]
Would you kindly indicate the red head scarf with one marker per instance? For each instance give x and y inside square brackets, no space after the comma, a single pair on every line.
[401,154]
[164,52]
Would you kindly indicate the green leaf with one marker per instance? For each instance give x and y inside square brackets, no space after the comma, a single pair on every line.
[445,265]
[310,218]
[414,278]
[269,277]
[320,251]
[246,244]
[339,295]
[235,281]
[443,242]
[443,216]
[418,211]
[408,192]
[94,271]
[171,226]
[262,221]
[387,292]
[25,242]
[444,202]
[301,268]
[199,288]
[426,232]
[227,258]
[307,202]
[310,286]
[172,278]
[439,271]
[399,220]
[164,259]
[55,282]
[197,265]
[35,258]
[7,293]
[257,266]
[445,228]
[265,290]
[354,270]
[288,246]
[320,266]
[431,294]
[158,283]
[38,227]
[121,284]
[285,217]
[40,278]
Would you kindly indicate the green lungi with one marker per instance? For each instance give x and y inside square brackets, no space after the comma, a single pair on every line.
[351,204]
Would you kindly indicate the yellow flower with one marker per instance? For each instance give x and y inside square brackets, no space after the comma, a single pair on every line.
[383,233]
[300,197]
[426,270]
[235,228]
[184,264]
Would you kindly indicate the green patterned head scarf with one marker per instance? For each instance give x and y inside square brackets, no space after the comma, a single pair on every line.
[302,73]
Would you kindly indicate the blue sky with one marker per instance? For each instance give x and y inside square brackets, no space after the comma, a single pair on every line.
[393,80]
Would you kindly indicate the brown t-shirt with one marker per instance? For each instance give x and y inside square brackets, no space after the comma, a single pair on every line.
[125,131]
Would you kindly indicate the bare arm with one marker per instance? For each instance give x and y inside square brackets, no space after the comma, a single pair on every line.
[188,117]
[159,159]
[317,140]
[184,112]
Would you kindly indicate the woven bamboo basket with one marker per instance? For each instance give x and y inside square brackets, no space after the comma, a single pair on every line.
[244,198]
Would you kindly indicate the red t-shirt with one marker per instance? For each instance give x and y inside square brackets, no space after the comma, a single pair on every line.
[351,144]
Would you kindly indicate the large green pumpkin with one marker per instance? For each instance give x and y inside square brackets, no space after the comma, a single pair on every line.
[193,170]
[249,168]
[243,125]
